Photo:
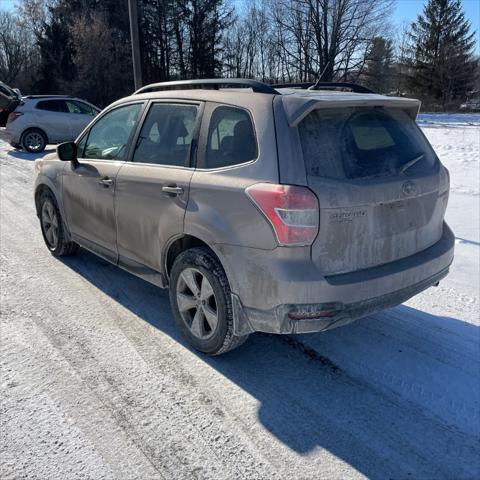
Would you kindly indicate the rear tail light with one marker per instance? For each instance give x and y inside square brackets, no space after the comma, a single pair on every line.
[13,116]
[291,210]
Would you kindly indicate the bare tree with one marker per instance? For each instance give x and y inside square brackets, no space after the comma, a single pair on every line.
[328,36]
[99,71]
[15,47]
[271,40]
[33,15]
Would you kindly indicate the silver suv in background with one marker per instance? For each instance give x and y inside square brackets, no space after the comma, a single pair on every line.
[280,210]
[42,119]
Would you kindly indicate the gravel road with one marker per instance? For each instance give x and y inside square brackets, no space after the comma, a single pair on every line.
[98,384]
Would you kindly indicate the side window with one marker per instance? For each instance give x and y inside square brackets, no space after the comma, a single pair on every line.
[108,138]
[79,107]
[43,105]
[166,134]
[231,138]
[52,105]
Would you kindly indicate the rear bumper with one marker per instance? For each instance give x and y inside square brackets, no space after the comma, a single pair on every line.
[350,296]
[10,137]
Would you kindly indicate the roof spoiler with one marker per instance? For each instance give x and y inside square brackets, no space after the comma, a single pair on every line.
[298,107]
[353,87]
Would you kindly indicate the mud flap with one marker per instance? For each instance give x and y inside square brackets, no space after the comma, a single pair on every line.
[241,325]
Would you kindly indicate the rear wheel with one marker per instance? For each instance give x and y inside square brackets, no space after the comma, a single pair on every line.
[34,140]
[201,301]
[53,230]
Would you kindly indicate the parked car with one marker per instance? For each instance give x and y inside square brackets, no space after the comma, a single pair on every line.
[42,119]
[9,99]
[281,210]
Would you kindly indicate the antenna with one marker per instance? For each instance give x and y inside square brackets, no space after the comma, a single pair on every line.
[317,83]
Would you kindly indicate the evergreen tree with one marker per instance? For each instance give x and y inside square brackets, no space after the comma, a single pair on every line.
[56,53]
[442,67]
[206,21]
[379,65]
[84,48]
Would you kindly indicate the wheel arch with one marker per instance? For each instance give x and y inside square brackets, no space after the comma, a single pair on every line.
[241,324]
[33,127]
[180,244]
[41,188]
[45,185]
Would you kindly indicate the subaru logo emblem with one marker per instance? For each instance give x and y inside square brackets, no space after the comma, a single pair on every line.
[409,188]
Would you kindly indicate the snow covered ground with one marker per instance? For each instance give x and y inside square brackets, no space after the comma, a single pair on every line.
[97,383]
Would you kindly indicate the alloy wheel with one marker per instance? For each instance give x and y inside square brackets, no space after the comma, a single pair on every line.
[50,224]
[197,303]
[34,141]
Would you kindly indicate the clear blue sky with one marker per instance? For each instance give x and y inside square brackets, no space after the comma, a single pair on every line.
[7,4]
[406,10]
[409,9]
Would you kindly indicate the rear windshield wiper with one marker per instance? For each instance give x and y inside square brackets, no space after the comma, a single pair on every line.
[409,164]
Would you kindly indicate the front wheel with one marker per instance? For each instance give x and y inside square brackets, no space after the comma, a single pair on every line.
[53,230]
[201,301]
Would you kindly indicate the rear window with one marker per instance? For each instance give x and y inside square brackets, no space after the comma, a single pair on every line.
[362,142]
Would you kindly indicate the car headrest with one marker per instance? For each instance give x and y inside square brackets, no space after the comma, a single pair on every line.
[242,129]
[177,128]
[227,144]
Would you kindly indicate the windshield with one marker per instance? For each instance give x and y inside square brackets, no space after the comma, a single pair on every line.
[359,142]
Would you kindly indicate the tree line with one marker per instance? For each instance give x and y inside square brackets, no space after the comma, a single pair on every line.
[82,47]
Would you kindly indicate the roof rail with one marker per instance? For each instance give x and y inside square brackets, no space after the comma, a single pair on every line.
[48,96]
[354,87]
[214,83]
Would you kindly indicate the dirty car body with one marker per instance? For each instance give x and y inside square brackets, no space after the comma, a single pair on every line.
[320,207]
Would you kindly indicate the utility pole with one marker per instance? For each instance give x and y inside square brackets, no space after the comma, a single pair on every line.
[137,66]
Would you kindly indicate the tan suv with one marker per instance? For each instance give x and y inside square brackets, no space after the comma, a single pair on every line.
[281,210]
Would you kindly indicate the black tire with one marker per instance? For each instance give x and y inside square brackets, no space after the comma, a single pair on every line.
[57,244]
[221,339]
[34,140]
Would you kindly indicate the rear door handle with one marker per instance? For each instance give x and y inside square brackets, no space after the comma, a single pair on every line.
[106,182]
[172,190]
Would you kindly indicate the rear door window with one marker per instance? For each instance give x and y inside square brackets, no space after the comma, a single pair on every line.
[362,142]
[53,105]
[166,135]
[231,138]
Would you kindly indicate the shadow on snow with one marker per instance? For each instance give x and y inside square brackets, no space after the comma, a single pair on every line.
[22,155]
[306,403]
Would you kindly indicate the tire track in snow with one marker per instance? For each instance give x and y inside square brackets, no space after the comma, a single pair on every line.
[274,409]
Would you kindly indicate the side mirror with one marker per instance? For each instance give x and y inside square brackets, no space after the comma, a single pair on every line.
[67,152]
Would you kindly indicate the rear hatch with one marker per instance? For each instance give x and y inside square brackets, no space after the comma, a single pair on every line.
[9,100]
[382,191]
